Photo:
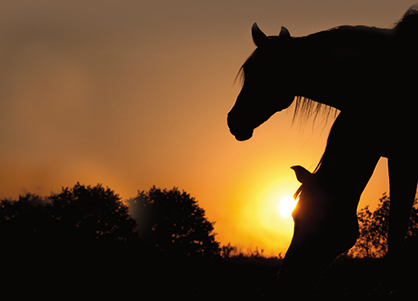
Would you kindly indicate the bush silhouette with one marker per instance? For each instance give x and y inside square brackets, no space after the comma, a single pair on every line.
[172,223]
[372,241]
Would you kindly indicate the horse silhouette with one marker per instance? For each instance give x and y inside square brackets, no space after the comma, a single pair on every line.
[369,75]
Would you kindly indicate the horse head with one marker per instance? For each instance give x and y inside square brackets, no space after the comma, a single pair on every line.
[266,87]
[324,227]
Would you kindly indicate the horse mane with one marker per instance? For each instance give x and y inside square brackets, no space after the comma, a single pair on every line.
[306,108]
[407,26]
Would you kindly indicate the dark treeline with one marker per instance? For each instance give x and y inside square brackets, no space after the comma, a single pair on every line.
[86,241]
[161,243]
[85,218]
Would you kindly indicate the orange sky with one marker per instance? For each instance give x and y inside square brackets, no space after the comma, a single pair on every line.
[132,94]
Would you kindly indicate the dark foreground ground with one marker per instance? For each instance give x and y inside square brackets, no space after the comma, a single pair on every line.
[126,277]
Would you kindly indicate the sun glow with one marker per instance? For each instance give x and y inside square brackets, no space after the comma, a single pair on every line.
[286,206]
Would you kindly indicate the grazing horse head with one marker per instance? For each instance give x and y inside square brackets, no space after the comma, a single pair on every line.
[266,89]
[324,227]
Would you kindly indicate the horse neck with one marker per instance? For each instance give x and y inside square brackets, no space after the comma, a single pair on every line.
[349,158]
[325,69]
[319,86]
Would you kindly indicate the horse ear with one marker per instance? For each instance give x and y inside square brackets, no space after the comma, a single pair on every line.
[284,33]
[302,174]
[259,37]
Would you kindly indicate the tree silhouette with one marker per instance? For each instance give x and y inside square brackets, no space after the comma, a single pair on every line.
[25,224]
[364,243]
[93,216]
[372,241]
[172,222]
[80,217]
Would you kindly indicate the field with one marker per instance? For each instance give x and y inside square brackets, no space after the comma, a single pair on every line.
[251,277]
[254,278]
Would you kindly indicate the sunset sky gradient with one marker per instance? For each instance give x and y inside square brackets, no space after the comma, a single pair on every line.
[132,94]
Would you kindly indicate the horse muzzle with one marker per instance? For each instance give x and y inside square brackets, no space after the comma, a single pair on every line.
[240,132]
[243,136]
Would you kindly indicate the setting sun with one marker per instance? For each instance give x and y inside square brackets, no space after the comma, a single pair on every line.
[286,206]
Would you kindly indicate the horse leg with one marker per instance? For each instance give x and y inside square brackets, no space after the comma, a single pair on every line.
[403,176]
